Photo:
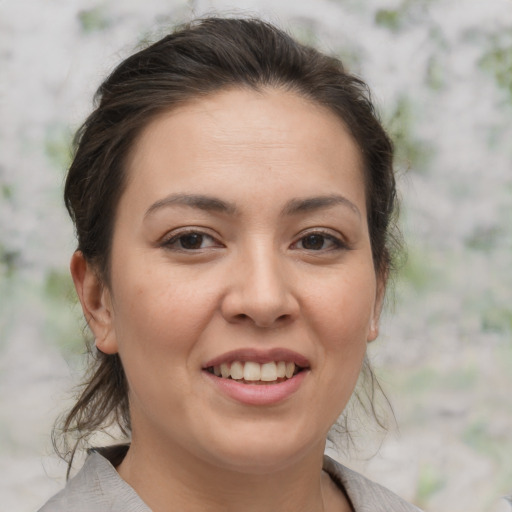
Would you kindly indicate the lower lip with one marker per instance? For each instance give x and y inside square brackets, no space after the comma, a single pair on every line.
[257,394]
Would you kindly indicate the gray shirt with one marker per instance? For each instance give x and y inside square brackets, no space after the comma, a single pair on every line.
[97,487]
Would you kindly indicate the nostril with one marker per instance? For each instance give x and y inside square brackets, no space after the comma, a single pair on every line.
[267,322]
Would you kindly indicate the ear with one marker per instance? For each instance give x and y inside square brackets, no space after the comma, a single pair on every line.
[373,332]
[96,303]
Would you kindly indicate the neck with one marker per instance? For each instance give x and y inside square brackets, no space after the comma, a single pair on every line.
[163,477]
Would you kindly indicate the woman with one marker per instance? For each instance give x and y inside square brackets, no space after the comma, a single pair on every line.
[232,195]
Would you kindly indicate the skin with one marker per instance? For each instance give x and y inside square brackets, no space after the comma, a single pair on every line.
[254,281]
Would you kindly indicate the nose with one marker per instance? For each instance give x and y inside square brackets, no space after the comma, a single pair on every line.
[260,290]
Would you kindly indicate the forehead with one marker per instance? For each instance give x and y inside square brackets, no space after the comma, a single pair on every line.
[241,138]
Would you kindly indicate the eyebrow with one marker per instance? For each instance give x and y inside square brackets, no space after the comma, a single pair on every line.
[214,204]
[201,202]
[311,204]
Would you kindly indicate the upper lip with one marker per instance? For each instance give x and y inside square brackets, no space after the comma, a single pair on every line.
[259,356]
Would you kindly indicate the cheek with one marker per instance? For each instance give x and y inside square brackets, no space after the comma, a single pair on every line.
[345,307]
[157,306]
[342,320]
[157,325]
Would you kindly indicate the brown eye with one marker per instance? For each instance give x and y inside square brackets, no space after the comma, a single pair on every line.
[314,242]
[191,241]
[319,241]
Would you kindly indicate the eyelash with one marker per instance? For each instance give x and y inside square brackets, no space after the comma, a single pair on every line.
[171,242]
[337,242]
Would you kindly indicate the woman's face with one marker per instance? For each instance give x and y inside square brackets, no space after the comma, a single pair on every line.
[241,248]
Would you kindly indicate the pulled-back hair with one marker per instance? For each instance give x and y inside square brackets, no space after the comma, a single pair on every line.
[194,61]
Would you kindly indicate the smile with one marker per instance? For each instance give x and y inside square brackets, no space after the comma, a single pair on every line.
[251,372]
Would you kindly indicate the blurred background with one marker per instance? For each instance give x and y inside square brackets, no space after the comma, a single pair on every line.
[441,74]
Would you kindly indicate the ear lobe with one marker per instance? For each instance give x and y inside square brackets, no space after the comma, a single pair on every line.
[96,303]
[373,331]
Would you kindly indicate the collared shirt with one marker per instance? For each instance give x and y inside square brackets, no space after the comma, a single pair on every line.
[98,487]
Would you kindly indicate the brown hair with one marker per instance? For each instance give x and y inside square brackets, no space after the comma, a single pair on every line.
[196,60]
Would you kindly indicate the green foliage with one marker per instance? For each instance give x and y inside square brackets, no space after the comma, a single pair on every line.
[93,20]
[388,18]
[63,317]
[498,62]
[7,191]
[395,19]
[411,152]
[497,319]
[58,286]
[476,436]
[429,482]
[9,261]
[416,273]
[483,238]
[435,78]
[480,438]
[306,33]
[58,146]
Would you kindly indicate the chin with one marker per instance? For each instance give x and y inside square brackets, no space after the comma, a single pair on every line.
[263,452]
[259,463]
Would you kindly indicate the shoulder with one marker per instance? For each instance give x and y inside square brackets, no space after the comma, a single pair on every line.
[97,486]
[365,495]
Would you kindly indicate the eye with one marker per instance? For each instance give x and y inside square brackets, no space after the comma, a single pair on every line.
[319,241]
[190,241]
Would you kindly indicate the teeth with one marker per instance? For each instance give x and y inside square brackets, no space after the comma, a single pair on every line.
[281,370]
[224,370]
[252,372]
[269,372]
[237,370]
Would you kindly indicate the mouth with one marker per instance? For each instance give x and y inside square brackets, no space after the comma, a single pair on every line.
[256,377]
[252,372]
